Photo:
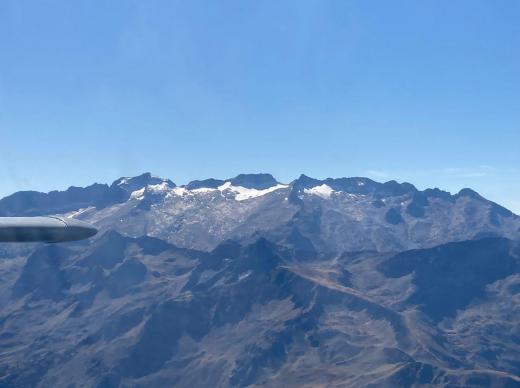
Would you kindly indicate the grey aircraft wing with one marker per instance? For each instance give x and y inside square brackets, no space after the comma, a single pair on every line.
[44,229]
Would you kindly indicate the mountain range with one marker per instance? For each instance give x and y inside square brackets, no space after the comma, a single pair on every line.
[251,282]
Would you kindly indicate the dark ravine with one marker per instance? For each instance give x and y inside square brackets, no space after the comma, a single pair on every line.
[248,282]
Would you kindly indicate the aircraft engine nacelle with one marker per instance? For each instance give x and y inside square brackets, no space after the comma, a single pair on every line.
[44,229]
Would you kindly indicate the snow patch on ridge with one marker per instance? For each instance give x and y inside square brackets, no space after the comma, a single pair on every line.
[240,193]
[323,191]
[225,186]
[123,181]
[243,193]
[159,188]
[180,191]
[204,190]
[138,194]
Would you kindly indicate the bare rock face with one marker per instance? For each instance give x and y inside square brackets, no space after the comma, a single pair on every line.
[250,282]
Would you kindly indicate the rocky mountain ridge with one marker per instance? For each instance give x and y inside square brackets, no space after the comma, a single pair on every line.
[251,282]
[314,216]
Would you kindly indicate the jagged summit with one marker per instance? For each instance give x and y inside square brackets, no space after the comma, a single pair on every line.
[260,181]
[467,192]
[138,182]
[117,190]
[205,184]
[355,185]
[254,181]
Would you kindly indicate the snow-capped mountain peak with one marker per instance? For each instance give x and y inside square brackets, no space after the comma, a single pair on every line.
[131,184]
[323,191]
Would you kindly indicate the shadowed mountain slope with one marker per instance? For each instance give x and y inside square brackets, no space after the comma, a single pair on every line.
[134,312]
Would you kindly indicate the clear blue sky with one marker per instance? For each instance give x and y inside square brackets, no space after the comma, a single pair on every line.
[423,91]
